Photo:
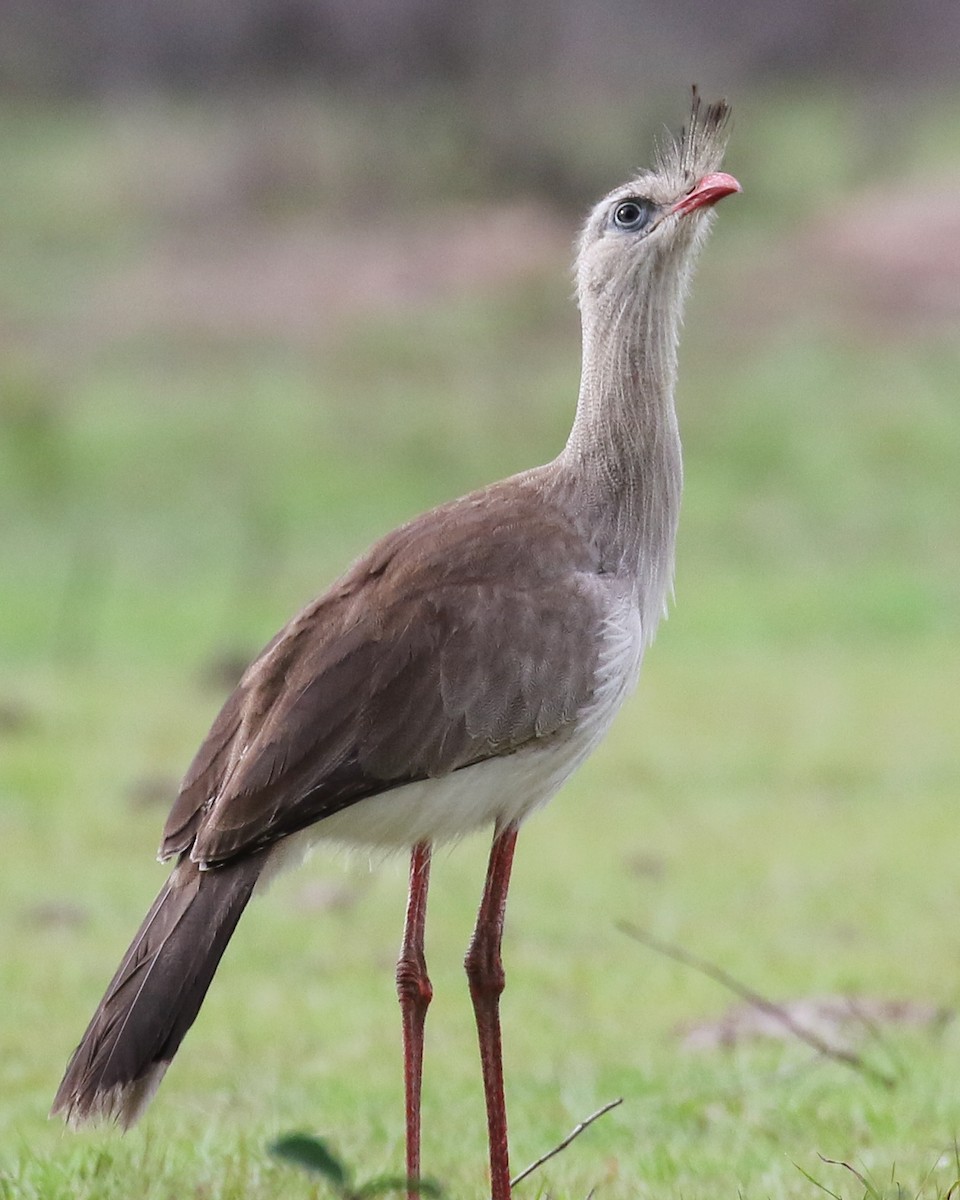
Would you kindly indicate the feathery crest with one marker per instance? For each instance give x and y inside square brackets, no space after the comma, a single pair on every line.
[700,146]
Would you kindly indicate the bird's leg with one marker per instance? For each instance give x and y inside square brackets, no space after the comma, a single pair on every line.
[415,992]
[485,974]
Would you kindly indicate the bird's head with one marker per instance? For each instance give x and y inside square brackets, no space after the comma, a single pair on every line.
[651,227]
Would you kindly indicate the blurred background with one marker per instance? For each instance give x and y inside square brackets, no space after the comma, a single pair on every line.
[254,252]
[276,275]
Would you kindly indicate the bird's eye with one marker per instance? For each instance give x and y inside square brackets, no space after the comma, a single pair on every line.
[632,215]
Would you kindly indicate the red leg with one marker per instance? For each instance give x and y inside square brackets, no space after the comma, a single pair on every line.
[415,992]
[485,974]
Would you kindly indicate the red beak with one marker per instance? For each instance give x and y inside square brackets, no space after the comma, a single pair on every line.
[709,190]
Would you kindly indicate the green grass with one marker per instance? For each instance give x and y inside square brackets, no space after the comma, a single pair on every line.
[778,797]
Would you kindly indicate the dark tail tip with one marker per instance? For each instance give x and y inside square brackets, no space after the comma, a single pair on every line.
[155,996]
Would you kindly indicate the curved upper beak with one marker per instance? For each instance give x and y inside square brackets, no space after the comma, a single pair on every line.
[709,190]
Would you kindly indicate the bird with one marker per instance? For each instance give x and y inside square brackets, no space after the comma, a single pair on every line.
[450,680]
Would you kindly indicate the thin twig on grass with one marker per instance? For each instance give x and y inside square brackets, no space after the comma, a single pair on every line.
[574,1133]
[875,1031]
[840,1054]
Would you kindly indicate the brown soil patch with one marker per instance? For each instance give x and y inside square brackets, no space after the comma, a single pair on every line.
[834,1019]
[301,281]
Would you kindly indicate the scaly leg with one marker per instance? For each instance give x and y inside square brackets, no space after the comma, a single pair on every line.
[415,992]
[486,977]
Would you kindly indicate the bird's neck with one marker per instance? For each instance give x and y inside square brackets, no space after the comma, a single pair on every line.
[622,458]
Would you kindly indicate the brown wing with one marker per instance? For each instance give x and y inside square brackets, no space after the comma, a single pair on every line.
[464,635]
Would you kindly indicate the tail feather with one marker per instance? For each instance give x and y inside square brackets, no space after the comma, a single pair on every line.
[154,997]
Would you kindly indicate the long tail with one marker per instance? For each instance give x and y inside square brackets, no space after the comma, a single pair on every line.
[156,993]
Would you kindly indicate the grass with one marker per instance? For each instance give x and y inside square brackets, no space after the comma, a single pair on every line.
[777,796]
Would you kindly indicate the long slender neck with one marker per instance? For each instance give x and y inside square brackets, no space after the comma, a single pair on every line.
[622,459]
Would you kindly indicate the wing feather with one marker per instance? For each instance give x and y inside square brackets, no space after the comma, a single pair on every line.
[453,641]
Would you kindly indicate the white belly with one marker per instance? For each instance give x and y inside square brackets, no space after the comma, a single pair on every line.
[498,790]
